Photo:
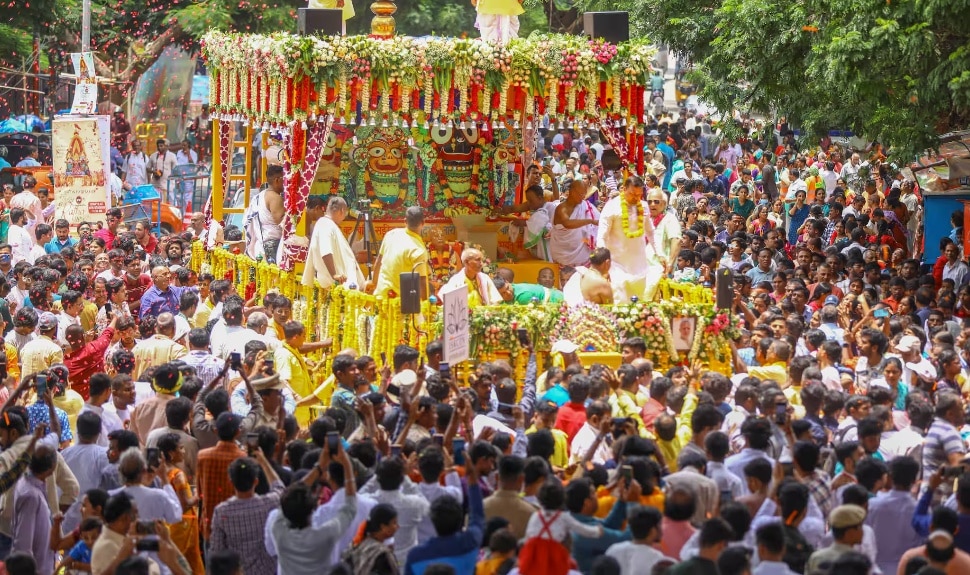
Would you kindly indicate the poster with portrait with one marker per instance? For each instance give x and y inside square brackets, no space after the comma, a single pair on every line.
[683,330]
[81,154]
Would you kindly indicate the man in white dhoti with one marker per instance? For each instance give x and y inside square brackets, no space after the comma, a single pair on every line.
[666,230]
[627,232]
[330,258]
[572,230]
[481,290]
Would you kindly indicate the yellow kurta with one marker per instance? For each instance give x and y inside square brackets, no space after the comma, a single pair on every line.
[293,370]
[156,350]
[39,355]
[400,252]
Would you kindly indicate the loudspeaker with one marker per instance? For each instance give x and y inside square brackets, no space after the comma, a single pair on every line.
[614,27]
[326,21]
[724,288]
[411,287]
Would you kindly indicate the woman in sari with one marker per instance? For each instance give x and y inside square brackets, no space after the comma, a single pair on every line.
[185,533]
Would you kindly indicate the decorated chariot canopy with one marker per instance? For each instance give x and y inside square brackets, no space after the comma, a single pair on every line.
[424,83]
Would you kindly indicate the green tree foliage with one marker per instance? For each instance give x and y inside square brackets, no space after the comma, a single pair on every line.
[896,71]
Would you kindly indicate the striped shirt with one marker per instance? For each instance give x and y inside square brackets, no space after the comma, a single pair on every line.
[941,441]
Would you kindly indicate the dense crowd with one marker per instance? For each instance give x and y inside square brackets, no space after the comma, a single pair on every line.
[156,421]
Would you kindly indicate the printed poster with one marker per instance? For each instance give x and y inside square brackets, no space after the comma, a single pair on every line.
[82,160]
[456,337]
[86,92]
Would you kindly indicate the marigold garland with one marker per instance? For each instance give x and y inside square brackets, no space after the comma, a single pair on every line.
[625,215]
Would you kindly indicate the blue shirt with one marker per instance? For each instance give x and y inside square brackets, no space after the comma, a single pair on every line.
[28,162]
[586,549]
[459,550]
[922,517]
[55,245]
[80,552]
[893,538]
[38,413]
[156,302]
[556,394]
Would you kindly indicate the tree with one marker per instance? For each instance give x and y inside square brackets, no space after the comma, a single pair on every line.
[893,71]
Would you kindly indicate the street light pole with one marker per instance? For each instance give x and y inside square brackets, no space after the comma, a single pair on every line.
[86,26]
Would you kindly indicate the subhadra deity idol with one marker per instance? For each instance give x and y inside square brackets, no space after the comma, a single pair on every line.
[626,230]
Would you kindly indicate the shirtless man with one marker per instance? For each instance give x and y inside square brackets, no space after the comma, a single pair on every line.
[595,283]
[271,212]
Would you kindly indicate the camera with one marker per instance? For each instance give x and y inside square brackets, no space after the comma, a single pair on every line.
[363,205]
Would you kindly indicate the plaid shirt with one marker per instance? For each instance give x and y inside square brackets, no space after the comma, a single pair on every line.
[213,478]
[237,524]
[818,486]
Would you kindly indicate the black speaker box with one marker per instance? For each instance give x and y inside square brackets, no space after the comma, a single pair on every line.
[724,288]
[614,27]
[326,21]
[411,288]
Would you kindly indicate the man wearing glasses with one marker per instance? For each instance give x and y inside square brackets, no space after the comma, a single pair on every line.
[666,229]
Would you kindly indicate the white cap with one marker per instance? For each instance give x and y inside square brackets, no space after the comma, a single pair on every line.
[908,343]
[923,369]
[564,346]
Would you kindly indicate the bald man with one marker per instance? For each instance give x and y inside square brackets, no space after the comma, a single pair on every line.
[159,348]
[331,259]
[573,227]
[162,297]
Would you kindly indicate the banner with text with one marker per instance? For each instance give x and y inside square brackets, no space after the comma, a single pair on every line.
[82,160]
[86,92]
[456,336]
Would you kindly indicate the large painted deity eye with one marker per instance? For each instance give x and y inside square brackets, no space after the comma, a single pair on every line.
[377,151]
[396,152]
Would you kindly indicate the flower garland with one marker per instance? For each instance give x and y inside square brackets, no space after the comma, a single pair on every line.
[625,215]
[254,76]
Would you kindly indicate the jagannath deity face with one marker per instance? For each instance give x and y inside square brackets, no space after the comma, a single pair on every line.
[382,155]
[456,152]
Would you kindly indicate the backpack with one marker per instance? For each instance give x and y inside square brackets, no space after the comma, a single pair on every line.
[543,555]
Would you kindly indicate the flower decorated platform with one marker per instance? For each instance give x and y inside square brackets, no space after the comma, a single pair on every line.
[444,123]
[370,325]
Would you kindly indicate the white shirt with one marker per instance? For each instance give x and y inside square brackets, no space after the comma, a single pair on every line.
[181,158]
[109,421]
[233,338]
[136,169]
[584,440]
[635,558]
[154,503]
[331,509]
[728,484]
[831,378]
[411,510]
[38,251]
[433,492]
[63,322]
[328,240]
[772,568]
[957,272]
[565,524]
[20,243]
[30,203]
[86,462]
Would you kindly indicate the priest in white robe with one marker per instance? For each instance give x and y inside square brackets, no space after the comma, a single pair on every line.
[330,258]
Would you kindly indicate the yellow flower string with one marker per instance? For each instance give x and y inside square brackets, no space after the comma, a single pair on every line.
[625,215]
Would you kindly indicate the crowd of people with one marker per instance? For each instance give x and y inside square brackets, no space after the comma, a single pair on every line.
[154,420]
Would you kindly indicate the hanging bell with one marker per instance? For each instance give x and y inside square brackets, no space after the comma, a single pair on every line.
[484,126]
[340,121]
[463,126]
[517,126]
[404,124]
[426,125]
[372,122]
[383,123]
[527,126]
